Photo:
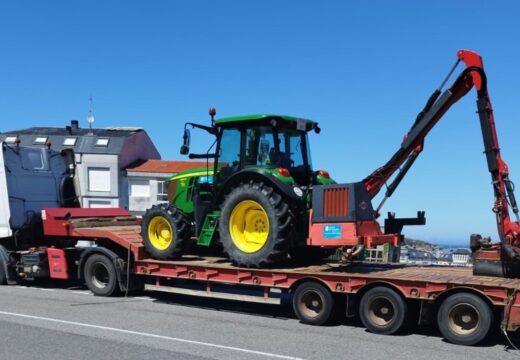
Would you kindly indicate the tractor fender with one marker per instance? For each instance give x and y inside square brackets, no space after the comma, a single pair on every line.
[119,264]
[7,262]
[257,175]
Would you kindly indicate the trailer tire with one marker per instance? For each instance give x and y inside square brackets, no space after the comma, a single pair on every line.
[165,232]
[382,310]
[101,276]
[313,303]
[464,319]
[255,226]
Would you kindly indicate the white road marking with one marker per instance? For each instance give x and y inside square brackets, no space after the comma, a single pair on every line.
[82,292]
[130,332]
[42,289]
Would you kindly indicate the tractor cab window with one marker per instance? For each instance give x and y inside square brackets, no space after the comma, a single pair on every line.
[294,152]
[229,153]
[259,146]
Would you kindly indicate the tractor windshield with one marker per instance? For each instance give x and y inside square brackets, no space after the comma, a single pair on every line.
[281,147]
[265,146]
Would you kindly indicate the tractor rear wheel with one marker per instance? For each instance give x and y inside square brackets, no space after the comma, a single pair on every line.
[165,231]
[255,226]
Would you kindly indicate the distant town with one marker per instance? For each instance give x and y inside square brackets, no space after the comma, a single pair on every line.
[417,252]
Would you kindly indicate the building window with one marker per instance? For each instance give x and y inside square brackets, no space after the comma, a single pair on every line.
[99,204]
[41,140]
[162,192]
[99,179]
[70,141]
[140,189]
[102,142]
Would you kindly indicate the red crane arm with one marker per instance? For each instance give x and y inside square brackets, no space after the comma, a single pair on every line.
[438,104]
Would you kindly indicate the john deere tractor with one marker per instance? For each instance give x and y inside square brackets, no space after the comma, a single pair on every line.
[254,195]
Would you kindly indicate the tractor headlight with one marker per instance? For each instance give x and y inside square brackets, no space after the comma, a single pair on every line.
[298,191]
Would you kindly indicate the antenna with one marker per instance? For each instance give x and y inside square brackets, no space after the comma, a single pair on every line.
[90,116]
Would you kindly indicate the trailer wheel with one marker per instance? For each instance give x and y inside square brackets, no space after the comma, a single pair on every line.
[382,310]
[464,319]
[313,303]
[101,276]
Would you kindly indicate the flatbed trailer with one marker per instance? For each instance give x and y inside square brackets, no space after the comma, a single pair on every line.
[112,259]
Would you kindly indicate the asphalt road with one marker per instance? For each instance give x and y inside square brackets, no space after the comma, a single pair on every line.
[53,323]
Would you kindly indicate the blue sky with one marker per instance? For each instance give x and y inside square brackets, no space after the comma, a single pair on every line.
[362,69]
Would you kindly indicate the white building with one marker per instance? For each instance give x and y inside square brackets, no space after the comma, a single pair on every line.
[461,257]
[146,182]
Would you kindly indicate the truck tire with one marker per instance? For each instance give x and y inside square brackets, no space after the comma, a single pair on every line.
[382,310]
[313,303]
[464,319]
[3,276]
[255,226]
[101,276]
[165,231]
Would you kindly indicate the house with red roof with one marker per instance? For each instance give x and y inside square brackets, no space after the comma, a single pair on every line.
[146,182]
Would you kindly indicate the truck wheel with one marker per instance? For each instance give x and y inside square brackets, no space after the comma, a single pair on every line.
[464,319]
[255,225]
[313,303]
[165,230]
[101,276]
[3,276]
[382,310]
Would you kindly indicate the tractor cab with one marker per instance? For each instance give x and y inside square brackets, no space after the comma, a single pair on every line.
[273,145]
[276,145]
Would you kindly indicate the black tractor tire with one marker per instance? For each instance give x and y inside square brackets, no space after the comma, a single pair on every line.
[165,231]
[464,319]
[313,303]
[274,208]
[383,311]
[101,276]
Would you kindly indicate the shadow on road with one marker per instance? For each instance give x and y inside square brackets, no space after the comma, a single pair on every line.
[284,311]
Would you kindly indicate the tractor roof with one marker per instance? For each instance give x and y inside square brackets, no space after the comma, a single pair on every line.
[257,117]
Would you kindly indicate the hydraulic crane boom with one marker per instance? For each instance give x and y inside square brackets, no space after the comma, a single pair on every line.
[438,104]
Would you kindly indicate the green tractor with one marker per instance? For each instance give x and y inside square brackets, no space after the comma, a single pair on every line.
[254,196]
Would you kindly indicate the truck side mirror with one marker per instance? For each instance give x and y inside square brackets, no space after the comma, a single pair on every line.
[185,148]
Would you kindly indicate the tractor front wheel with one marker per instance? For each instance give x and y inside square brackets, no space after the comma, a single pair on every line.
[255,226]
[165,231]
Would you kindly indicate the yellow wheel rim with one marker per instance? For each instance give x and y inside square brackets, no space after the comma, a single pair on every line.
[160,233]
[249,226]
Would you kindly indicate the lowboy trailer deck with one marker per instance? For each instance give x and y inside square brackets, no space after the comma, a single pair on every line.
[110,258]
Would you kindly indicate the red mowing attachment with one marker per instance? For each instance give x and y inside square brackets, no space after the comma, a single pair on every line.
[335,202]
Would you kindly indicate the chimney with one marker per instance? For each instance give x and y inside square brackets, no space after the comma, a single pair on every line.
[74,124]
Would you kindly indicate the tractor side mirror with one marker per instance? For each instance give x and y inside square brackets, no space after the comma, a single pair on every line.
[185,148]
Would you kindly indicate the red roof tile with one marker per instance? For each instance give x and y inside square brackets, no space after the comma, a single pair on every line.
[166,166]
